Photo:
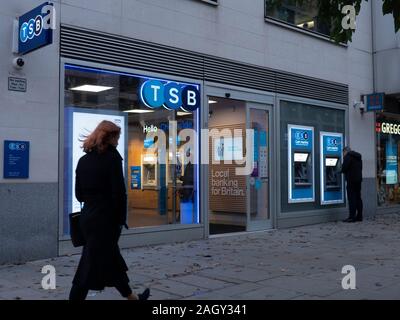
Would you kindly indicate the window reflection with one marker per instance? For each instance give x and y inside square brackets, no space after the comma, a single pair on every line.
[155,175]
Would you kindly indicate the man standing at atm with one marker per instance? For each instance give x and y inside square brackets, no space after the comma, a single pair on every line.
[352,170]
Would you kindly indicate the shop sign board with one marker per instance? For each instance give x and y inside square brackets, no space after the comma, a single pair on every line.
[170,95]
[16,159]
[388,128]
[375,101]
[36,28]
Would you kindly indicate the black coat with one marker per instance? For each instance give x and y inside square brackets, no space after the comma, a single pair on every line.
[352,167]
[100,186]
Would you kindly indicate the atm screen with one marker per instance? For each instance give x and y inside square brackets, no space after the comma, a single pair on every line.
[331,162]
[300,157]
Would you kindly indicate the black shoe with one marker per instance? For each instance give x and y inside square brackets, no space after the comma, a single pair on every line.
[359,219]
[144,295]
[350,220]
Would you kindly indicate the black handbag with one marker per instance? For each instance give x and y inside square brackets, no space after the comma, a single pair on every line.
[77,237]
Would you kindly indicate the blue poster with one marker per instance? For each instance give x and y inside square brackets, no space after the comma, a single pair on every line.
[301,164]
[331,159]
[136,177]
[391,162]
[16,160]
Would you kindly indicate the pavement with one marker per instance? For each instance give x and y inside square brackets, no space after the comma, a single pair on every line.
[299,263]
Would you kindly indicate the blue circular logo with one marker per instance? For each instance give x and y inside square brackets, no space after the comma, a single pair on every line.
[152,94]
[23,32]
[172,96]
[301,135]
[190,98]
[17,146]
[38,25]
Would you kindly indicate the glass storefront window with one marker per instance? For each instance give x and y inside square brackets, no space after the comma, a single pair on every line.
[316,120]
[388,148]
[159,142]
[304,16]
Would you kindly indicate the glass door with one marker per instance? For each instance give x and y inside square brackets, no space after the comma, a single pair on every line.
[259,131]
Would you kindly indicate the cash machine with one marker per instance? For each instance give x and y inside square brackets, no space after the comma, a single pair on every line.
[301,164]
[331,159]
[332,173]
[302,169]
[149,171]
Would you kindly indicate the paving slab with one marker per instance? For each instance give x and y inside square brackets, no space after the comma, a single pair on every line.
[298,263]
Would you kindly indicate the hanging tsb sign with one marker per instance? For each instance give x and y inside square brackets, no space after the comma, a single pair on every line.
[35,28]
[170,95]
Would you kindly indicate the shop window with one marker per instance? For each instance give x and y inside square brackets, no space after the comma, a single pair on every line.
[306,120]
[303,17]
[388,148]
[158,143]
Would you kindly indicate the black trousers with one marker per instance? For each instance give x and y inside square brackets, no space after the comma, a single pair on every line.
[80,293]
[355,201]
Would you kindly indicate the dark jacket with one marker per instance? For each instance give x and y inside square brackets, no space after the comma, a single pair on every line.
[100,185]
[352,167]
[187,183]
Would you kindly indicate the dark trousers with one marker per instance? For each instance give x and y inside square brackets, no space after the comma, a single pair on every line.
[355,201]
[79,293]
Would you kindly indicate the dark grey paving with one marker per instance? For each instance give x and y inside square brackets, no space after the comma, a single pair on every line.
[301,263]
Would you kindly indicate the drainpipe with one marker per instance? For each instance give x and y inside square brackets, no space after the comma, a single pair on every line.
[373,47]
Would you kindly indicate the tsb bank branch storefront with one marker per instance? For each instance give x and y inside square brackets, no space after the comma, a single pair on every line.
[160,121]
[210,146]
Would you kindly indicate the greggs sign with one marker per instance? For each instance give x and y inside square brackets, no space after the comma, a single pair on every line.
[388,128]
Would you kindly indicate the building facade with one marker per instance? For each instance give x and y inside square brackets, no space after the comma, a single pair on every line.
[386,57]
[181,72]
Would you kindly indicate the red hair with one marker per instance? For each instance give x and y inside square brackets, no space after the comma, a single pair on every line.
[101,137]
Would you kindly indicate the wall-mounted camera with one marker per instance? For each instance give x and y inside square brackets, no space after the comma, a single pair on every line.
[359,105]
[18,62]
[227,95]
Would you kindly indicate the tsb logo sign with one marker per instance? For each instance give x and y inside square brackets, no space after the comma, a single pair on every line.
[17,146]
[170,95]
[301,135]
[36,28]
[332,142]
[31,29]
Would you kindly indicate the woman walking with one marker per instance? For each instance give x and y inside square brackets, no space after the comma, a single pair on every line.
[100,186]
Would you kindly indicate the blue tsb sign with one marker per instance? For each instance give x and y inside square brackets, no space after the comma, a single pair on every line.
[170,95]
[36,28]
[16,159]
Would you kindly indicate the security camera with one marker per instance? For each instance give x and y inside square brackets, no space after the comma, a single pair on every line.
[227,95]
[18,62]
[362,108]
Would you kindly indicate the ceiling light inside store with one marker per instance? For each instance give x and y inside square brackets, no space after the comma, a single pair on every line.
[212,101]
[138,111]
[91,88]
